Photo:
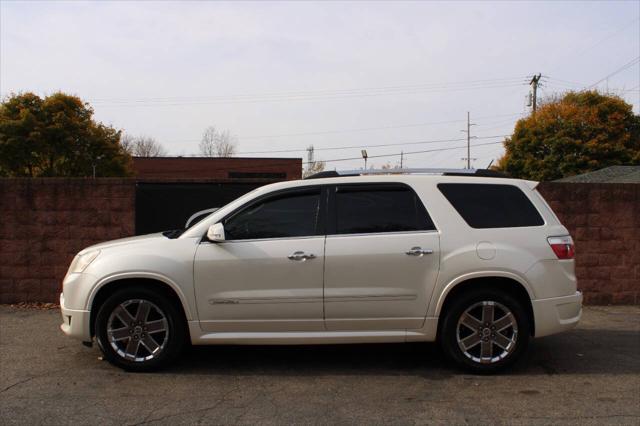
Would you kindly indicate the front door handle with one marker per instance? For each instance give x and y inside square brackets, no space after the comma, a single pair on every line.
[418,251]
[301,256]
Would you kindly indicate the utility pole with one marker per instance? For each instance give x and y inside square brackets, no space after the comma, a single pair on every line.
[534,88]
[469,137]
[468,140]
[310,161]
[310,154]
[401,158]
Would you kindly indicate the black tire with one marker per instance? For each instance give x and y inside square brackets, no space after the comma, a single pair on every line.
[474,358]
[162,314]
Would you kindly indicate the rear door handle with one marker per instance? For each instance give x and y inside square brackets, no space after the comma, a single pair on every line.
[418,251]
[301,256]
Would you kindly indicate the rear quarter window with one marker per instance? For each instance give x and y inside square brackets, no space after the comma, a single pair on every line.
[491,205]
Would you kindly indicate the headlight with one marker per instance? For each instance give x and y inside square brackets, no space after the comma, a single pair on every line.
[81,261]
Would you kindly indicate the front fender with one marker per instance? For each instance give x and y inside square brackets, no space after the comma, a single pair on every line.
[186,305]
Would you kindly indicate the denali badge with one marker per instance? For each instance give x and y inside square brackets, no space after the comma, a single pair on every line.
[223,302]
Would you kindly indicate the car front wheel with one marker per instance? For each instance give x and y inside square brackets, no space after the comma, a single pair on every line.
[139,330]
[485,331]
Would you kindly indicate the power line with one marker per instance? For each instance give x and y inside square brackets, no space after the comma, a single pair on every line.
[370,146]
[609,36]
[299,99]
[334,160]
[501,123]
[319,92]
[356,130]
[355,93]
[619,70]
[365,129]
[624,92]
[559,81]
[411,152]
[565,84]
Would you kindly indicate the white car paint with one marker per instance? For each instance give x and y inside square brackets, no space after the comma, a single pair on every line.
[360,288]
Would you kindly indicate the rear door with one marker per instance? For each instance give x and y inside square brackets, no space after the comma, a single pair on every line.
[381,258]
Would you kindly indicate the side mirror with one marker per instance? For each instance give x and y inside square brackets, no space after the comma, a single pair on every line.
[216,233]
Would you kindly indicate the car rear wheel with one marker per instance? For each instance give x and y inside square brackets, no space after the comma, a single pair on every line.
[139,330]
[485,331]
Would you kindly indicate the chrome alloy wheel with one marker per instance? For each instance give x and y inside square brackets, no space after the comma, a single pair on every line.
[137,330]
[487,332]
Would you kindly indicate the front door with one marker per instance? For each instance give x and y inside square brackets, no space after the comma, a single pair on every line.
[267,274]
[381,258]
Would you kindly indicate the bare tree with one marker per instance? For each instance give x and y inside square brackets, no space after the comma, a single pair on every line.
[142,146]
[389,166]
[313,168]
[127,142]
[216,143]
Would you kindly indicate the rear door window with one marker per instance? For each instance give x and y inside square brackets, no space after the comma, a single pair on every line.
[491,205]
[379,208]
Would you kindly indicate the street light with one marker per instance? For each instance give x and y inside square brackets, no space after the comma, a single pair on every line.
[95,161]
[365,156]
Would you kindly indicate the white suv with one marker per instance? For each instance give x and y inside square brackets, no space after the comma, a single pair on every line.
[479,264]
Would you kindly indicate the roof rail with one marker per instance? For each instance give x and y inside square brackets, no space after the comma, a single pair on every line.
[405,171]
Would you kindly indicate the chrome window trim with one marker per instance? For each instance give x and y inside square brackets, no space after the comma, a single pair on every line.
[306,237]
[435,231]
[431,231]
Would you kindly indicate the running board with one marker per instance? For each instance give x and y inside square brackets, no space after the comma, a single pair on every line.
[304,338]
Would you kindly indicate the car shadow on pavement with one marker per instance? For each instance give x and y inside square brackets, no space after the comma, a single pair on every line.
[315,360]
[582,351]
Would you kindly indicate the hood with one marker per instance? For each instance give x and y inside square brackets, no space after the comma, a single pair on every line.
[125,241]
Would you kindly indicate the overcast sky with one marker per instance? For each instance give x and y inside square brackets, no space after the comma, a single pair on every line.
[283,76]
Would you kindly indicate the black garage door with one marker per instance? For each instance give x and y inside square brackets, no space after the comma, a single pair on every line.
[165,206]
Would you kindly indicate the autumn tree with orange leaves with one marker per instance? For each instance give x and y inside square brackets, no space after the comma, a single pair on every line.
[577,133]
[57,136]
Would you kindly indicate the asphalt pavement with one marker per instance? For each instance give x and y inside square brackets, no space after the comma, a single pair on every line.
[590,375]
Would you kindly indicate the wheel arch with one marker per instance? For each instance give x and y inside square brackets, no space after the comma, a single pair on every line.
[109,286]
[509,284]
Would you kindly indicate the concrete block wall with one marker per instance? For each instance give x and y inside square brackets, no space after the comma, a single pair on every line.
[604,221]
[45,222]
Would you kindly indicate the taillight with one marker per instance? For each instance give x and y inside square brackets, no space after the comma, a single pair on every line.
[562,247]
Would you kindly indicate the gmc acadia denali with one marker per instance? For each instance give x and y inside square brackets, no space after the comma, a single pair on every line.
[479,264]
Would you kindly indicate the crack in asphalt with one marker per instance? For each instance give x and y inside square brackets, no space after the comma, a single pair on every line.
[204,409]
[18,383]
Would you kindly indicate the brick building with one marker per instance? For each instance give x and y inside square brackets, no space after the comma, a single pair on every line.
[216,168]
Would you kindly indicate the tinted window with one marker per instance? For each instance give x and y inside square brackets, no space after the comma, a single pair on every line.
[392,208]
[287,215]
[491,206]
